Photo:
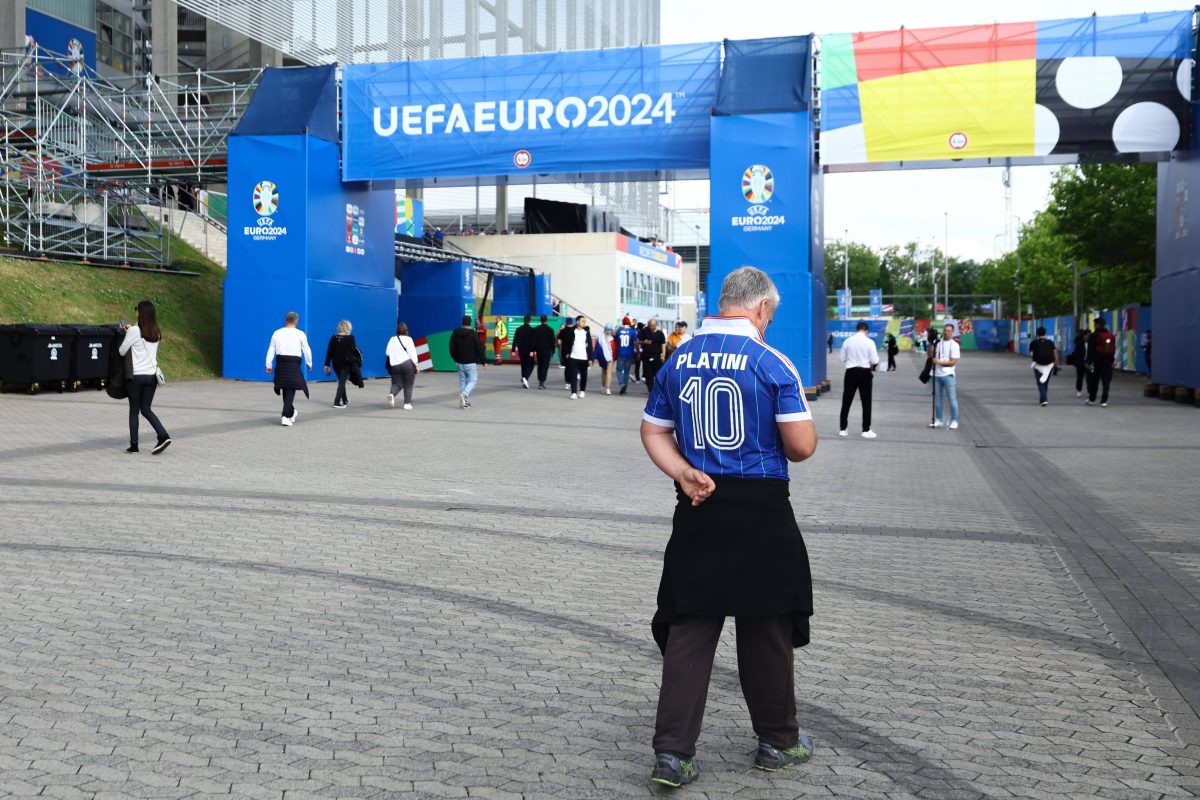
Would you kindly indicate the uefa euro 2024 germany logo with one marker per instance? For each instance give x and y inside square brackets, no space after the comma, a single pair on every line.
[758,187]
[266,202]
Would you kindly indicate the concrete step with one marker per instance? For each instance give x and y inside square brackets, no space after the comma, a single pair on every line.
[194,230]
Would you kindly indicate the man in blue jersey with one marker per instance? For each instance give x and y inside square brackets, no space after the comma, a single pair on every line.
[626,337]
[726,415]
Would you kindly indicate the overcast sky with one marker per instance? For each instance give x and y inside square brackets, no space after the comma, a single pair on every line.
[893,207]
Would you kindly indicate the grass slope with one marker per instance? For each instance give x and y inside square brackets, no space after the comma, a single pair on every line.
[189,308]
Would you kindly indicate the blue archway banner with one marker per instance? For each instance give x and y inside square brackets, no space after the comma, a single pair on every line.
[628,111]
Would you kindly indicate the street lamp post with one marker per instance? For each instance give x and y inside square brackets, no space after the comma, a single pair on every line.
[946,261]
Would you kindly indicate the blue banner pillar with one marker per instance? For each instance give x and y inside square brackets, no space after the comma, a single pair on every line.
[299,238]
[764,182]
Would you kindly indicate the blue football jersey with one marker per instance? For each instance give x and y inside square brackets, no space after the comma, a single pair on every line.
[626,336]
[725,393]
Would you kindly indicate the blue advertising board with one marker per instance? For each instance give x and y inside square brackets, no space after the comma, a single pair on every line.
[759,191]
[637,110]
[876,303]
[844,329]
[62,38]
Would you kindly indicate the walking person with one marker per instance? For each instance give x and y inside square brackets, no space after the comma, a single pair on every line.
[342,352]
[466,348]
[1101,353]
[543,349]
[860,356]
[892,350]
[564,333]
[735,549]
[946,353]
[499,338]
[604,355]
[579,357]
[637,362]
[651,343]
[523,348]
[626,340]
[1044,357]
[1078,359]
[829,342]
[402,366]
[289,348]
[1146,343]
[141,345]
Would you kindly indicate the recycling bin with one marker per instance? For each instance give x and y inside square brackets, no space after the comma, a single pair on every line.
[35,356]
[90,354]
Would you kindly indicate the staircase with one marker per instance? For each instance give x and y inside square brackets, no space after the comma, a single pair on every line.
[201,233]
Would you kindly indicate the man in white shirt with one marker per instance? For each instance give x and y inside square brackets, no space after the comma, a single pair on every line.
[288,345]
[945,383]
[861,356]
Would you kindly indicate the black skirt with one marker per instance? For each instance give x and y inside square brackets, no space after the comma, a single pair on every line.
[738,554]
[289,374]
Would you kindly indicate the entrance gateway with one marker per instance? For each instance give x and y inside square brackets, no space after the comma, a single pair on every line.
[313,210]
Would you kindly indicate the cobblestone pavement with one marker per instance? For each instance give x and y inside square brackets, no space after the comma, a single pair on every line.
[448,603]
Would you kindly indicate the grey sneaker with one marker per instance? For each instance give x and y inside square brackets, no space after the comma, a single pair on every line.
[673,772]
[773,759]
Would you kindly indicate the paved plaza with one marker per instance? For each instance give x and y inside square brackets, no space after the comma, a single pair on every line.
[448,603]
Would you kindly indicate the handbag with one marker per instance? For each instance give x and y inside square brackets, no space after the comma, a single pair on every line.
[927,371]
[158,376]
[116,387]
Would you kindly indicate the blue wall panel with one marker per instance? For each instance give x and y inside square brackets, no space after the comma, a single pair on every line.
[1176,289]
[370,309]
[434,296]
[57,36]
[267,246]
[341,250]
[253,309]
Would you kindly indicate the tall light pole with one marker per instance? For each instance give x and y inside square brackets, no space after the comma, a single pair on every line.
[846,256]
[946,261]
[846,264]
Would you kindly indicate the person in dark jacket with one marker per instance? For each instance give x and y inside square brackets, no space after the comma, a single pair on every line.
[342,354]
[522,345]
[1044,356]
[652,342]
[579,347]
[892,349]
[1078,359]
[543,348]
[1101,354]
[467,350]
[637,362]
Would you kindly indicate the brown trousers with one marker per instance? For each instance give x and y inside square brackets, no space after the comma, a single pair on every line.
[765,668]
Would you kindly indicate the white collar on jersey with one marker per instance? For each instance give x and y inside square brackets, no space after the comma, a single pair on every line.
[730,326]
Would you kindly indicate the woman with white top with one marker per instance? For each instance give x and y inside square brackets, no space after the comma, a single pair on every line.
[141,343]
[402,365]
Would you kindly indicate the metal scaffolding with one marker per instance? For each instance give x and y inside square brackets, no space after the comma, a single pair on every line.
[82,157]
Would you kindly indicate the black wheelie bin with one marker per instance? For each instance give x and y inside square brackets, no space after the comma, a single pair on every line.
[35,355]
[90,355]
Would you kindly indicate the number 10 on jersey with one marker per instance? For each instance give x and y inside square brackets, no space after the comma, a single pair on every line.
[706,402]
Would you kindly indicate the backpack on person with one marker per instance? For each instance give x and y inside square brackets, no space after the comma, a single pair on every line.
[1106,343]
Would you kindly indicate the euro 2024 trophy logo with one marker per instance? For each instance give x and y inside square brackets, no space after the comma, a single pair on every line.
[266,201]
[758,187]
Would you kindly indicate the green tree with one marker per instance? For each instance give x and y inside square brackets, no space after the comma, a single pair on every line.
[1106,215]
[1040,266]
